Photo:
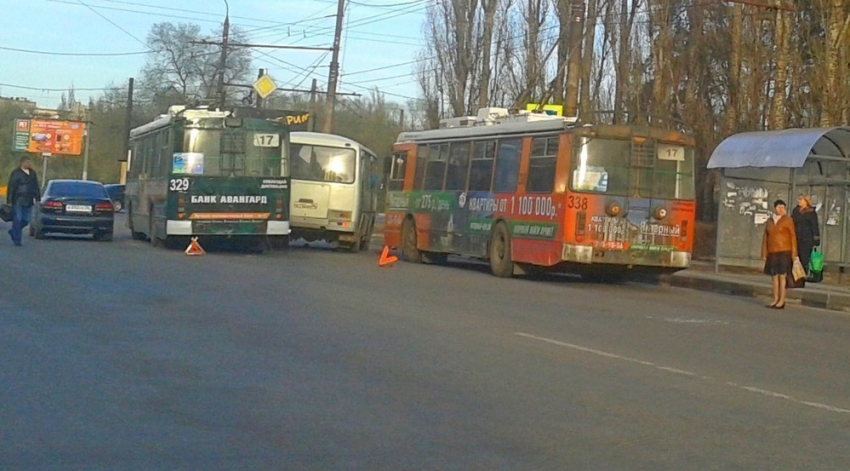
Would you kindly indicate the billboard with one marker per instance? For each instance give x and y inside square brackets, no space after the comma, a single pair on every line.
[21,141]
[56,137]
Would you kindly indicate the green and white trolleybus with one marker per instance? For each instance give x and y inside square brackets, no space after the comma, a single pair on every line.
[208,173]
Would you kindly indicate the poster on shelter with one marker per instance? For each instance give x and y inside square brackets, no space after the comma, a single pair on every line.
[190,163]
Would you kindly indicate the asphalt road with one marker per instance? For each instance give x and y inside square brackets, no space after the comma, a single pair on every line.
[119,356]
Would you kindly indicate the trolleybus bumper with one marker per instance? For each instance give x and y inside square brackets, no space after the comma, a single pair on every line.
[184,228]
[585,254]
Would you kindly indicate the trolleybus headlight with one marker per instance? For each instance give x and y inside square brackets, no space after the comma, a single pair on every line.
[660,213]
[613,209]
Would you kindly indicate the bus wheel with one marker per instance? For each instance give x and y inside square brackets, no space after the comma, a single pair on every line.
[135,235]
[500,252]
[408,242]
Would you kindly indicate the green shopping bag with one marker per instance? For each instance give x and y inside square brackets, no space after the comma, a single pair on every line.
[816,261]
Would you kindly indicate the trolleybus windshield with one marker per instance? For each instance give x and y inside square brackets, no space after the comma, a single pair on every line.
[619,168]
[232,153]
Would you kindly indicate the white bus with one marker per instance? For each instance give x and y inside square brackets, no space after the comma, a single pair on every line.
[334,190]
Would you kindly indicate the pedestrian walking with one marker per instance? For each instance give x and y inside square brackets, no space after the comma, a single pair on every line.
[22,192]
[808,232]
[779,250]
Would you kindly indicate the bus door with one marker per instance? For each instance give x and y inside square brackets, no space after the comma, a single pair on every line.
[310,190]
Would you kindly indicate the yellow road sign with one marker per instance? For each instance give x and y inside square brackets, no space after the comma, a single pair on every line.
[556,110]
[265,86]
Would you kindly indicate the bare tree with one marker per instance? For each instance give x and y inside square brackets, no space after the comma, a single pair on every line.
[180,71]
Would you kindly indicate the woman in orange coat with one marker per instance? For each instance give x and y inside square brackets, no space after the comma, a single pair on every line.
[779,250]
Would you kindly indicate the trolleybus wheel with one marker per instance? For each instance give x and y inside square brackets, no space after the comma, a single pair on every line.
[133,233]
[155,240]
[500,252]
[408,244]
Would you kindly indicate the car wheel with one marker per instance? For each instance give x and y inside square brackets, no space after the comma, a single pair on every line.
[103,236]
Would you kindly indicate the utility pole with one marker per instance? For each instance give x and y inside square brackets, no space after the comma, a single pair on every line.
[128,122]
[574,70]
[333,75]
[259,98]
[313,91]
[223,62]
[86,152]
[401,120]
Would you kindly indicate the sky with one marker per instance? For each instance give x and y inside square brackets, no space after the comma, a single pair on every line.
[378,34]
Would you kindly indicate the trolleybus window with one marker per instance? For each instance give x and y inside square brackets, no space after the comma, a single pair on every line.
[674,173]
[397,171]
[541,168]
[421,162]
[438,154]
[323,164]
[226,152]
[601,166]
[507,165]
[458,166]
[481,170]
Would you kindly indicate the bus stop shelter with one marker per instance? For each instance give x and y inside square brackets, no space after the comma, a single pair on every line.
[758,168]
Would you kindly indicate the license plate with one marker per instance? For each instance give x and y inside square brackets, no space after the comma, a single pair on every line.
[77,208]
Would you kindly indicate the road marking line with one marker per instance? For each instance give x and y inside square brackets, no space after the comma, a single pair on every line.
[668,369]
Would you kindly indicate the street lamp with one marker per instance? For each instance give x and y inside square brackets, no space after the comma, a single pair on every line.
[223,62]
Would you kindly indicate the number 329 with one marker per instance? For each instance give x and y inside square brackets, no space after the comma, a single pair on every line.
[179,184]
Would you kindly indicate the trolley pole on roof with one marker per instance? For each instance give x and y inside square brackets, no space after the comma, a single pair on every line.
[223,61]
[333,75]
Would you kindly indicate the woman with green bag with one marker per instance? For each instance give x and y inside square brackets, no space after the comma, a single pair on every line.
[816,266]
[807,230]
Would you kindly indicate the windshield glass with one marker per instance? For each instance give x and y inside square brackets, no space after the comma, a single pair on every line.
[615,167]
[76,190]
[230,153]
[323,164]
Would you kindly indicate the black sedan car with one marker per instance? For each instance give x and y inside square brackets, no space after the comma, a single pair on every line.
[74,207]
[116,194]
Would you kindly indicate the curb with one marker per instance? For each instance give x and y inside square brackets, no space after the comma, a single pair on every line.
[820,299]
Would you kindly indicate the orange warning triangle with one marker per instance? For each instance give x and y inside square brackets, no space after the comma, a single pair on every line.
[195,248]
[386,258]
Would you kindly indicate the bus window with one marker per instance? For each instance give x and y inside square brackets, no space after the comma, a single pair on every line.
[601,166]
[397,171]
[322,164]
[507,165]
[481,169]
[421,162]
[458,166]
[438,155]
[541,168]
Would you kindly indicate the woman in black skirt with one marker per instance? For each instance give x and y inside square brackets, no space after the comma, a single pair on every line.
[779,249]
[808,231]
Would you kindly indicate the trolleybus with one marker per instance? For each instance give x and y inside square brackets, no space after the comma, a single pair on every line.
[334,189]
[528,191]
[200,172]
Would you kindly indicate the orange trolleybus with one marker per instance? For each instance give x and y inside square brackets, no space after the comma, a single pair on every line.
[528,192]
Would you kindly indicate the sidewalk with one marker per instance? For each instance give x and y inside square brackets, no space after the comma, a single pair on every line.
[701,277]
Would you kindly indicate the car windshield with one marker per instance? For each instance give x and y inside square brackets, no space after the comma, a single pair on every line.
[76,190]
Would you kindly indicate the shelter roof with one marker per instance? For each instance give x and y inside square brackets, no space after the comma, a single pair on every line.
[787,148]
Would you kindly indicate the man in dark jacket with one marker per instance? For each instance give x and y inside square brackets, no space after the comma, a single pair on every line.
[23,191]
